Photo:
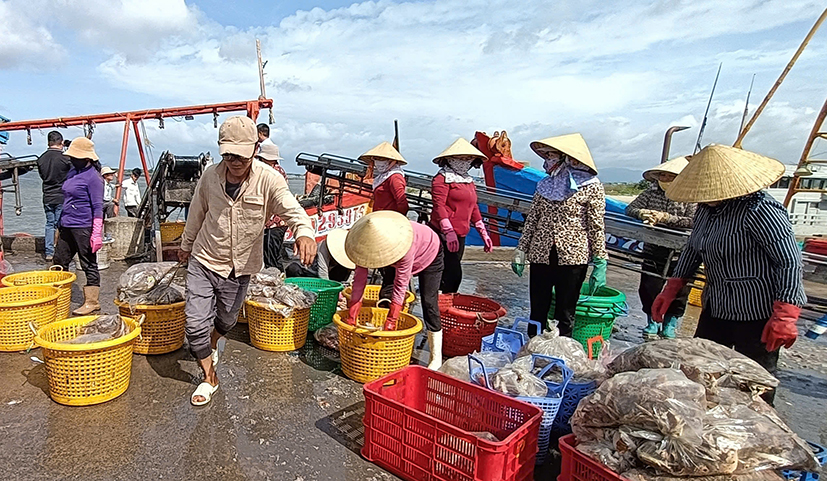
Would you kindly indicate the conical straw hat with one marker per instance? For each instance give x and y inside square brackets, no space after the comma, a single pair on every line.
[460,147]
[379,239]
[383,151]
[573,145]
[674,166]
[336,246]
[720,172]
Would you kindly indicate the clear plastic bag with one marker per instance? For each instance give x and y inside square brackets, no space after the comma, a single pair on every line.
[104,328]
[516,381]
[651,475]
[703,361]
[662,401]
[268,288]
[155,283]
[328,336]
[458,366]
[565,348]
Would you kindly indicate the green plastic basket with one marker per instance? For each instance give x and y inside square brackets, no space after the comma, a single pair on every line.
[595,315]
[321,314]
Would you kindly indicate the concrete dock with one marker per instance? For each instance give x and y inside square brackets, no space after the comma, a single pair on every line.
[277,416]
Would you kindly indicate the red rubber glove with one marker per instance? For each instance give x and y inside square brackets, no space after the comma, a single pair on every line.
[780,330]
[353,313]
[393,316]
[667,295]
[451,239]
[486,239]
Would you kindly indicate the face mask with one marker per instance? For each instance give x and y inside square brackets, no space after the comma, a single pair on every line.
[461,167]
[78,163]
[552,167]
[381,166]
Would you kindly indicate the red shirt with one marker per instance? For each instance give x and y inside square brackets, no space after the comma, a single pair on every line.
[456,202]
[390,195]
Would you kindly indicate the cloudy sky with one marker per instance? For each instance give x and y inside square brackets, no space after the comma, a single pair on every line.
[620,72]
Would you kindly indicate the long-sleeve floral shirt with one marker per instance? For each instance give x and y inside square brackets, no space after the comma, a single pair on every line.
[574,225]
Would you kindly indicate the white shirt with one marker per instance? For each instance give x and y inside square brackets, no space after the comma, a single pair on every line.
[132,194]
[108,191]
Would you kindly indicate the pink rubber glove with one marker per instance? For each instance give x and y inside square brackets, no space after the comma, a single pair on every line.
[451,239]
[486,239]
[664,300]
[393,316]
[96,241]
[780,330]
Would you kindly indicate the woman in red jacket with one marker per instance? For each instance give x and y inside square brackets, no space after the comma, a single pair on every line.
[455,207]
[388,178]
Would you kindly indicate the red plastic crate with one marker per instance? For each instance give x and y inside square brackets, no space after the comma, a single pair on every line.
[465,321]
[579,467]
[419,425]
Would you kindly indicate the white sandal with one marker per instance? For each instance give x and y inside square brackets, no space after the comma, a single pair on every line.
[205,390]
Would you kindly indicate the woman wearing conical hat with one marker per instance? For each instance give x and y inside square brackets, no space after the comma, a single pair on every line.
[744,238]
[563,230]
[654,208]
[388,178]
[388,239]
[455,207]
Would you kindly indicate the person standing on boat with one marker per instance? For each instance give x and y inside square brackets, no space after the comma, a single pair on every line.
[53,166]
[275,228]
[754,289]
[109,200]
[387,238]
[654,208]
[81,220]
[132,193]
[223,241]
[389,186]
[455,208]
[563,230]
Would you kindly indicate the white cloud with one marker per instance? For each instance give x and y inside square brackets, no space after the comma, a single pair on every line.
[619,73]
[24,43]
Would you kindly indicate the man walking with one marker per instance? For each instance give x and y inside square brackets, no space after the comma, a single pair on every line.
[132,194]
[223,241]
[53,167]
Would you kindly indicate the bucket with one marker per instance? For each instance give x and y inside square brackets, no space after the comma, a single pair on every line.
[103,254]
[595,316]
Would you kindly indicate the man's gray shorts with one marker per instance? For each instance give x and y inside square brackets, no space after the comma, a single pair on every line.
[212,301]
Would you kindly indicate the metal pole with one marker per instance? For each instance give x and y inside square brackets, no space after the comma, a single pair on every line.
[806,153]
[780,79]
[667,141]
[260,69]
[122,163]
[141,151]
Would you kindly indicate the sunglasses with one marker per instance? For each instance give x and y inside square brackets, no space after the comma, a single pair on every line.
[235,159]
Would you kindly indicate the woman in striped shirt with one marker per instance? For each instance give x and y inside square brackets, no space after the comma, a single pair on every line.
[754,289]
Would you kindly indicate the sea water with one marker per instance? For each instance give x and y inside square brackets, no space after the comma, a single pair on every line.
[32,219]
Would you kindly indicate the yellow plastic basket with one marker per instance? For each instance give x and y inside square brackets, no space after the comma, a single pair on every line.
[172,231]
[369,354]
[371,297]
[21,306]
[270,331]
[85,374]
[163,328]
[56,277]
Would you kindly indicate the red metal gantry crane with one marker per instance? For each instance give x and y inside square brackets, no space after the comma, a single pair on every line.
[252,108]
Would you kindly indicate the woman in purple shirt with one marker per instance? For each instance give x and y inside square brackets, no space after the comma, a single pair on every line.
[81,222]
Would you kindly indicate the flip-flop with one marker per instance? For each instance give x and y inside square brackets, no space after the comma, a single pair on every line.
[205,390]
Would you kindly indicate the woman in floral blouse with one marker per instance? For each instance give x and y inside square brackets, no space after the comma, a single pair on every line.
[654,208]
[563,230]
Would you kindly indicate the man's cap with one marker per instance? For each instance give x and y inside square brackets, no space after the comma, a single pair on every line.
[238,136]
